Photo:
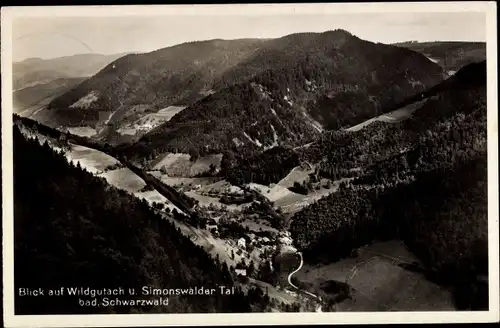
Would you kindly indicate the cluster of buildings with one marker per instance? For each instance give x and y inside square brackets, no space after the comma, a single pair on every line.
[252,239]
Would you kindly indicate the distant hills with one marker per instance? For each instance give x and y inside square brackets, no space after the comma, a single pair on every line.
[33,71]
[450,55]
[37,81]
[247,93]
[30,99]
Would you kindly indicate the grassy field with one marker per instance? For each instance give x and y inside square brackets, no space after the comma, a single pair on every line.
[274,193]
[153,196]
[220,186]
[180,165]
[149,121]
[83,131]
[177,181]
[214,201]
[297,174]
[92,160]
[258,225]
[285,263]
[125,179]
[378,282]
[391,117]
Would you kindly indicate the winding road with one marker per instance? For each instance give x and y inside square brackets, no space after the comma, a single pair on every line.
[318,308]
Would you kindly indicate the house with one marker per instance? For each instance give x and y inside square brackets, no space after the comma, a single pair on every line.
[241,243]
[251,236]
[241,272]
[265,240]
[286,240]
[213,228]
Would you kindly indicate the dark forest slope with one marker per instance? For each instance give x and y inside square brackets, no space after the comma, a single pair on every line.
[423,180]
[308,82]
[344,154]
[99,237]
[176,75]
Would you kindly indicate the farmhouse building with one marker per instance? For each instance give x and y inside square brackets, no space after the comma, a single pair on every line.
[265,240]
[241,243]
[286,240]
[241,272]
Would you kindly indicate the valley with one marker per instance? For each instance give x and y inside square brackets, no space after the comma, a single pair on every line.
[266,243]
[317,172]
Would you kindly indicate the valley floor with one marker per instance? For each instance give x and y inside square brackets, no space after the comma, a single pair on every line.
[376,280]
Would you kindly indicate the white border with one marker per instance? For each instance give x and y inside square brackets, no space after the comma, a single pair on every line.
[11,320]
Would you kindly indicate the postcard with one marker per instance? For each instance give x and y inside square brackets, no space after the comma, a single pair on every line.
[250,164]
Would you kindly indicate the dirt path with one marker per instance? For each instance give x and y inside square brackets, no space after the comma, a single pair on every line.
[318,308]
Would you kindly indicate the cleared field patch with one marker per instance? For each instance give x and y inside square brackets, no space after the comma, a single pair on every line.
[180,165]
[295,202]
[149,121]
[153,196]
[177,181]
[169,112]
[83,131]
[214,201]
[220,187]
[92,160]
[174,164]
[297,174]
[204,163]
[274,193]
[378,282]
[390,117]
[259,225]
[125,179]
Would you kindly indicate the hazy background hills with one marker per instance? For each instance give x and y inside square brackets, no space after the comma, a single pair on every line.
[450,55]
[37,81]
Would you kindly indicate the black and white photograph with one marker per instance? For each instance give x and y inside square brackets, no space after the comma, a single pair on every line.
[250,163]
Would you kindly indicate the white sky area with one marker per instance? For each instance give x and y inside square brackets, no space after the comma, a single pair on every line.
[51,37]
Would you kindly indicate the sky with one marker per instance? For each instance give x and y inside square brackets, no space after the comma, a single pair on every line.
[51,37]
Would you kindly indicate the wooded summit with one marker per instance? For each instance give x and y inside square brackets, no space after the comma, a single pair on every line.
[314,172]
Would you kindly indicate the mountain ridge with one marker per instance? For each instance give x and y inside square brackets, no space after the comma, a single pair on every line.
[294,101]
[153,81]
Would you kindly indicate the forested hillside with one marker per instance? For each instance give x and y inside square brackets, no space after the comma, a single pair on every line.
[34,97]
[450,55]
[448,110]
[249,93]
[423,180]
[175,75]
[100,237]
[311,82]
